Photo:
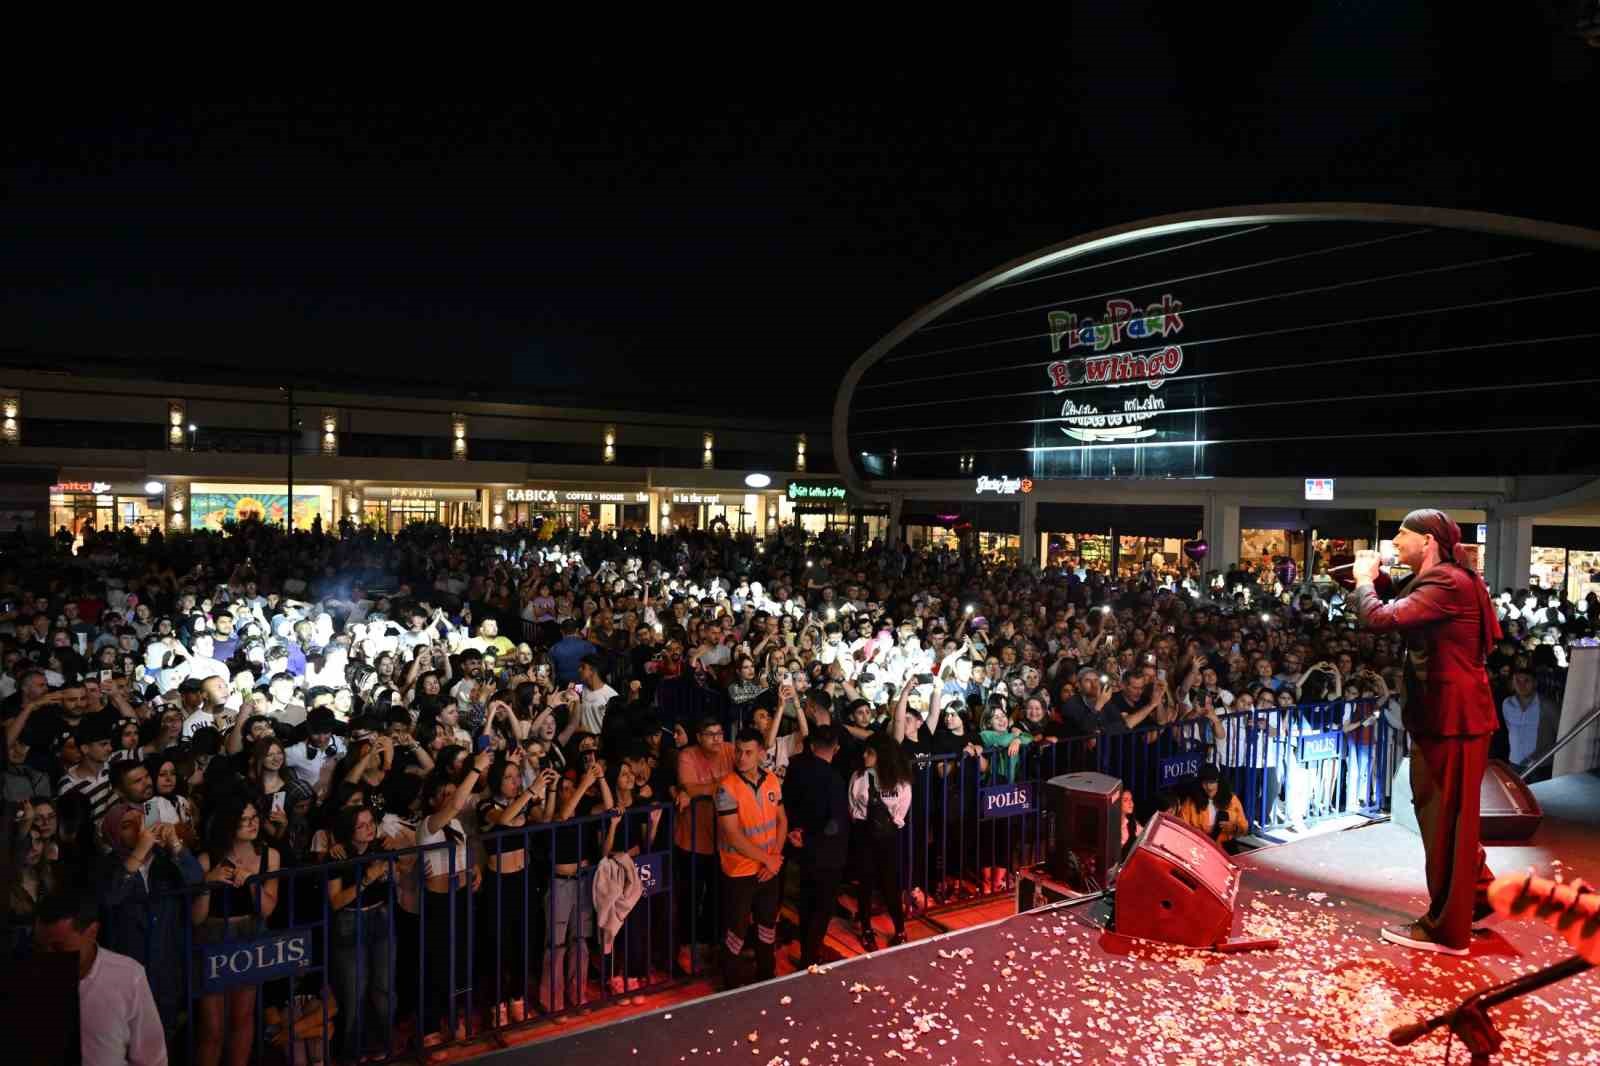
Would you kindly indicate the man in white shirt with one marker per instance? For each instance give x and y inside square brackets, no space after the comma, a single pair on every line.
[1523,714]
[118,1024]
[202,663]
[595,694]
[308,757]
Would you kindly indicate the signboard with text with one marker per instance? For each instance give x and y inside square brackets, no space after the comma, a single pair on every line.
[1116,383]
[1003,801]
[1319,747]
[574,496]
[1319,488]
[652,870]
[250,962]
[1176,769]
[816,491]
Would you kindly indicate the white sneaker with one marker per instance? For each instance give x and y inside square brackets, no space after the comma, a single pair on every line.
[1415,937]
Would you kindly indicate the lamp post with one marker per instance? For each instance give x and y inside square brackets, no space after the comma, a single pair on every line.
[288,516]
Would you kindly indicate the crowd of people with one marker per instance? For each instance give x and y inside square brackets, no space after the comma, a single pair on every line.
[495,731]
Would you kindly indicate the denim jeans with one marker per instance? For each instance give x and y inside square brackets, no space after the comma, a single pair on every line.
[362,951]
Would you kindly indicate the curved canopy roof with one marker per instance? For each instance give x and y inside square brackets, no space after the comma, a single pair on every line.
[1335,339]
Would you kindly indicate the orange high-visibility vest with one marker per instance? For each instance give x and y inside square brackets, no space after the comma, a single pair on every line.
[758,809]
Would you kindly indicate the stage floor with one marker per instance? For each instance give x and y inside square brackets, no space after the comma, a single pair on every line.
[1052,987]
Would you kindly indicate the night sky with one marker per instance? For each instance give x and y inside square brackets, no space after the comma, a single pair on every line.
[712,230]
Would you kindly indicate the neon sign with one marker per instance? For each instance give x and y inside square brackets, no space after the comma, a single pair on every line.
[1086,421]
[1004,486]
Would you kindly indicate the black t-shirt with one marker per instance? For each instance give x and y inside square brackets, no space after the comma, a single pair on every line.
[1079,718]
[1111,715]
[374,893]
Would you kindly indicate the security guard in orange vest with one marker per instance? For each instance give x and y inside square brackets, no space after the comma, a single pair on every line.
[751,828]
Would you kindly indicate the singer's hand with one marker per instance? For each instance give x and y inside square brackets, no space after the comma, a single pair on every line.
[1366,566]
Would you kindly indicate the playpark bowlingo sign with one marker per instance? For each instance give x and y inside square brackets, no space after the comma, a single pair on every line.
[1144,364]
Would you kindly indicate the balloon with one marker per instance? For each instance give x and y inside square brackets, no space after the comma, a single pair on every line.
[1287,572]
[1197,549]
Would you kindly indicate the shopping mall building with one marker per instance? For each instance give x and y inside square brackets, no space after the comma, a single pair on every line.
[1280,383]
[151,454]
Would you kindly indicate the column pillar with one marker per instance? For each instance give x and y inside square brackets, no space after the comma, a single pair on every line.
[1509,550]
[1029,528]
[177,506]
[1221,533]
[894,536]
[10,418]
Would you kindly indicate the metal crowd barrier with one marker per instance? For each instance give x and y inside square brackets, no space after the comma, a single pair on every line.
[305,959]
[974,822]
[525,938]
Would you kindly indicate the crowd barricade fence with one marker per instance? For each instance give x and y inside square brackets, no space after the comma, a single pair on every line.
[976,820]
[524,939]
[451,953]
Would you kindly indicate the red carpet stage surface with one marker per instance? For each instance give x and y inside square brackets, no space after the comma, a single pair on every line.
[1051,986]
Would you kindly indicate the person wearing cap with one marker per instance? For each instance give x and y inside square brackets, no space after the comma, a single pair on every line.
[1449,625]
[307,757]
[89,777]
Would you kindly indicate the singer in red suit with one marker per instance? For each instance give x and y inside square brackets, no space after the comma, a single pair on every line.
[1449,625]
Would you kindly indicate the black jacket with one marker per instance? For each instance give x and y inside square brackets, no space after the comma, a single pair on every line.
[816,798]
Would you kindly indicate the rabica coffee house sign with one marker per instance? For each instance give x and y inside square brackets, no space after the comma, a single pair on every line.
[1143,364]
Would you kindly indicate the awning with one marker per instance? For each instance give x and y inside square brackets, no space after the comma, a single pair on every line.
[1183,522]
[1580,538]
[983,517]
[1328,522]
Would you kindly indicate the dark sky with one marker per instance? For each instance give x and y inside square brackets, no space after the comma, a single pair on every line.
[690,226]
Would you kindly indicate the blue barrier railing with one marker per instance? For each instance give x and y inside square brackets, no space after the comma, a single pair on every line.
[502,935]
[975,820]
[514,935]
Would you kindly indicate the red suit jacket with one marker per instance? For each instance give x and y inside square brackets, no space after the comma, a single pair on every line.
[1449,627]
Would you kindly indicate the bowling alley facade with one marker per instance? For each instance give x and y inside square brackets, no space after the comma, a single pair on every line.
[1272,386]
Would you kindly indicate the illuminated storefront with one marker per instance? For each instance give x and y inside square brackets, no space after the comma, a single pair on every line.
[739,512]
[581,509]
[114,505]
[1566,558]
[214,504]
[823,506]
[1124,540]
[992,530]
[393,509]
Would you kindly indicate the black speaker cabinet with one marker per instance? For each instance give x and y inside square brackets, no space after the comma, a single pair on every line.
[1088,825]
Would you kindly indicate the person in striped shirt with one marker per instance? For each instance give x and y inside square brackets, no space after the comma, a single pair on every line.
[89,776]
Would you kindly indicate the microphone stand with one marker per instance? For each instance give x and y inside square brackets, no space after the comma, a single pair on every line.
[1470,1019]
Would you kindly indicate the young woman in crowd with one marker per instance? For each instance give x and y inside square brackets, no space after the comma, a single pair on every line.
[510,904]
[359,896]
[1211,807]
[632,832]
[451,879]
[242,895]
[880,800]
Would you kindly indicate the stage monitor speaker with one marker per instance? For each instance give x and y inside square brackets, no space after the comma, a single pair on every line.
[1508,809]
[1507,806]
[1088,826]
[1177,887]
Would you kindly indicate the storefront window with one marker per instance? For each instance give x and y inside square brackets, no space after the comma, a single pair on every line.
[1162,555]
[211,505]
[1337,551]
[80,512]
[1000,547]
[1263,549]
[1548,567]
[1086,551]
[1583,574]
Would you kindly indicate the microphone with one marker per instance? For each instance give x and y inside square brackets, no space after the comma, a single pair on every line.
[1386,557]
